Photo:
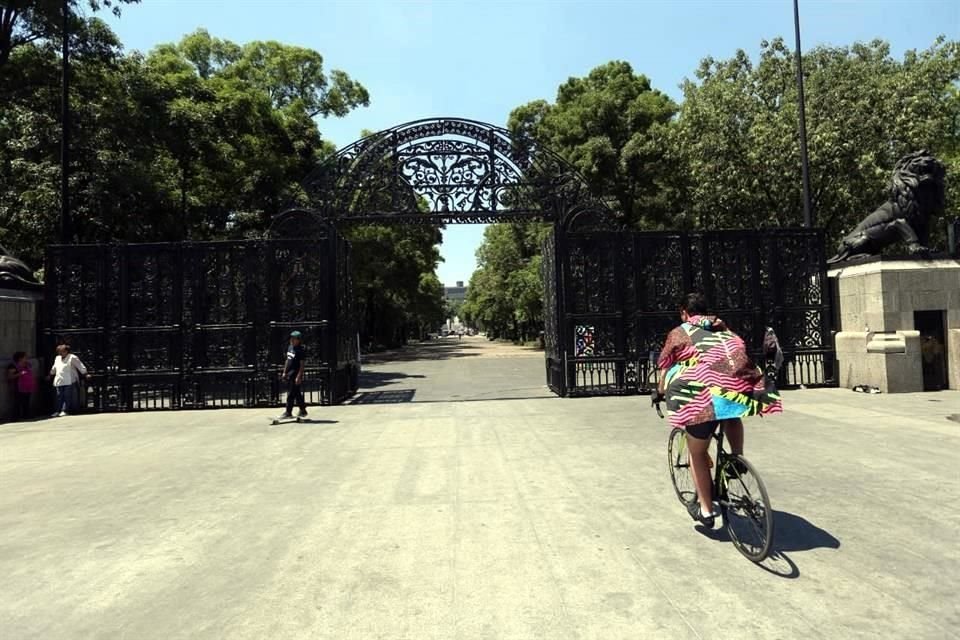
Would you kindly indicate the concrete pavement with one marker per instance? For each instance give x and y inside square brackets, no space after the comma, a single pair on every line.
[507,514]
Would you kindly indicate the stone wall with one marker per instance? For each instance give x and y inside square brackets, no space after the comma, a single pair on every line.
[18,332]
[876,302]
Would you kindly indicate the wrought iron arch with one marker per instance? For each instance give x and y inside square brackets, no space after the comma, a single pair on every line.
[447,170]
[299,223]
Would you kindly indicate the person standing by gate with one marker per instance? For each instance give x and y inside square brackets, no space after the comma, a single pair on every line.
[20,373]
[67,371]
[293,375]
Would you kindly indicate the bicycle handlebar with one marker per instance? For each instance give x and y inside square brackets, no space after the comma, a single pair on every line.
[655,399]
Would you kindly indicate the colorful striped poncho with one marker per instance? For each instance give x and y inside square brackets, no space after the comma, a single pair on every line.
[709,375]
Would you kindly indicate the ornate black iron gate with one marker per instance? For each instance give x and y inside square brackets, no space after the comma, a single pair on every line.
[203,324]
[193,325]
[619,295]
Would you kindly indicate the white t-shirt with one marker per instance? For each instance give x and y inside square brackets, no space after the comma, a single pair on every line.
[65,370]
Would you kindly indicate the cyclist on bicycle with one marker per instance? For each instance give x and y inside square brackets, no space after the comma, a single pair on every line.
[707,377]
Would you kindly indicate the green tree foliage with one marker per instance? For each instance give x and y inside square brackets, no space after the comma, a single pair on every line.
[398,293]
[606,125]
[737,144]
[25,21]
[201,139]
[730,157]
[505,295]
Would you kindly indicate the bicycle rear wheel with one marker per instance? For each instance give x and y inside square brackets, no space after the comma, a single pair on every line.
[679,463]
[745,507]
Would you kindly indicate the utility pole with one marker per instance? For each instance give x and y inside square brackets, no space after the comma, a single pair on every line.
[66,230]
[807,207]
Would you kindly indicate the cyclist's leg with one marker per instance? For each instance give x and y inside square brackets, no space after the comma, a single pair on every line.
[698,444]
[734,432]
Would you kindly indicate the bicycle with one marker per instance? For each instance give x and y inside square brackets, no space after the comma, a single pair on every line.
[737,488]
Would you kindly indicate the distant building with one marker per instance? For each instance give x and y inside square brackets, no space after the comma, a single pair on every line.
[457,293]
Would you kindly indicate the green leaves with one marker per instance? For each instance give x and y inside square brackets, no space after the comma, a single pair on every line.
[394,272]
[505,296]
[737,143]
[605,125]
[202,139]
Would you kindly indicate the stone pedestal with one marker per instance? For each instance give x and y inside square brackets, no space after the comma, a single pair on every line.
[878,342]
[18,332]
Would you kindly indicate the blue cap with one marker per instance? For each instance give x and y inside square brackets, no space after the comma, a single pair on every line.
[296,334]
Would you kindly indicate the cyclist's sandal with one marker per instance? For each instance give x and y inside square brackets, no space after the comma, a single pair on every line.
[697,514]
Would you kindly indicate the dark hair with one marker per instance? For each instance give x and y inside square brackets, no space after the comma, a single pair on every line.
[694,303]
[18,355]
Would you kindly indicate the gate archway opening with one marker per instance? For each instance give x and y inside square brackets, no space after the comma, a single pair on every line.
[610,295]
[455,171]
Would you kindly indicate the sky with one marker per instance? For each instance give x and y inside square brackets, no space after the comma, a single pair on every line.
[480,60]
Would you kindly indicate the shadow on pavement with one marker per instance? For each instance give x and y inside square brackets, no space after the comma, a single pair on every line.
[370,379]
[794,533]
[406,395]
[383,397]
[493,399]
[790,533]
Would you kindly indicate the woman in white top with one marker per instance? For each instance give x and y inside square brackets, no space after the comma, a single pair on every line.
[66,371]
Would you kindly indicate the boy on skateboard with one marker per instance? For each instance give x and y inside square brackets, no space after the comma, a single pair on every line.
[293,375]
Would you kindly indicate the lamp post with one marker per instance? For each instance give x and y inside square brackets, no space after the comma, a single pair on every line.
[66,231]
[807,207]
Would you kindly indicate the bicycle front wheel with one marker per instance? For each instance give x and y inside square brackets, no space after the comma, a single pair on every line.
[746,508]
[678,460]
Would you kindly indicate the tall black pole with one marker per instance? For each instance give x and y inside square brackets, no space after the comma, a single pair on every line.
[66,231]
[807,211]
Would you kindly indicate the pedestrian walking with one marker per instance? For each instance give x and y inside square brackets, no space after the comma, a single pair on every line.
[293,375]
[23,384]
[67,372]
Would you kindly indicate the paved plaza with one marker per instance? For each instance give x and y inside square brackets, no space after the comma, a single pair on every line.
[457,498]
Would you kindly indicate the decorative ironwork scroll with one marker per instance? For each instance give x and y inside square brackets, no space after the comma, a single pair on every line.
[622,290]
[201,325]
[444,170]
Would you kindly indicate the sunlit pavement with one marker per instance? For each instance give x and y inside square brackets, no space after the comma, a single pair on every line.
[458,499]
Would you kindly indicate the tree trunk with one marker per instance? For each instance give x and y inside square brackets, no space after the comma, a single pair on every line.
[7,18]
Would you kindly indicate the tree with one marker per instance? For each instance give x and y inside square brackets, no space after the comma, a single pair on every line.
[203,139]
[505,295]
[606,126]
[737,143]
[394,270]
[25,21]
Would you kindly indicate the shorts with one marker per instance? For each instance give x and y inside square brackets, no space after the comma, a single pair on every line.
[703,430]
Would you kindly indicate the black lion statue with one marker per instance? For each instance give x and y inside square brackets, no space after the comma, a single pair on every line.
[916,195]
[14,274]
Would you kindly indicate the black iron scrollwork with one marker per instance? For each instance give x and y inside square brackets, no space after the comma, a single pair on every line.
[443,171]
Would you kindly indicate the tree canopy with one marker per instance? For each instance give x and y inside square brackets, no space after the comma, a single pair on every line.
[606,126]
[505,294]
[736,144]
[206,139]
[729,155]
[199,139]
[25,21]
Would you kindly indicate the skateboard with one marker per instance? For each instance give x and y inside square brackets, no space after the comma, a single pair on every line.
[275,421]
